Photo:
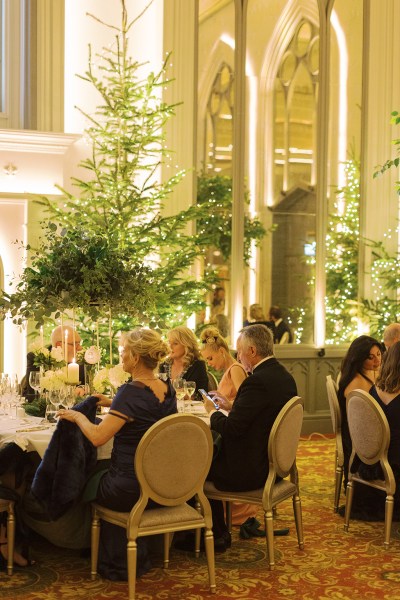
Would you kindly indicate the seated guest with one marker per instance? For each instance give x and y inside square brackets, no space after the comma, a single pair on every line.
[184,359]
[57,340]
[359,370]
[242,462]
[391,335]
[280,329]
[216,352]
[369,503]
[136,406]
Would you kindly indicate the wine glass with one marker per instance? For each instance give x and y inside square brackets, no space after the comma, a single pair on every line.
[181,391]
[34,381]
[190,388]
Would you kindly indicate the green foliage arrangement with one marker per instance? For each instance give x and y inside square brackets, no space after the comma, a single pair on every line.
[74,269]
[215,193]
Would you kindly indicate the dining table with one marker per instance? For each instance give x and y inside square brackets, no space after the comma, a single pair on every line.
[33,434]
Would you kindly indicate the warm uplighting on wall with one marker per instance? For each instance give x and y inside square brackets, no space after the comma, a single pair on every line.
[342,104]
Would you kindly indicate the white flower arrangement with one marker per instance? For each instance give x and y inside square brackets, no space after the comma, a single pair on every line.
[53,380]
[49,359]
[110,378]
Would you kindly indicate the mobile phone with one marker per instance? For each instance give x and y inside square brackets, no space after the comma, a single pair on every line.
[204,395]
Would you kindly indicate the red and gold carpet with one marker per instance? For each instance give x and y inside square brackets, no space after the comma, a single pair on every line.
[333,566]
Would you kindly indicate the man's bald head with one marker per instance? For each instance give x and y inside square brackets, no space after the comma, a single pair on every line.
[391,335]
[73,340]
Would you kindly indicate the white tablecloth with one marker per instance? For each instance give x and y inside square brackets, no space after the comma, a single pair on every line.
[32,434]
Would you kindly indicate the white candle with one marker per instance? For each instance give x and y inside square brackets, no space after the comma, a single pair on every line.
[62,336]
[66,346]
[41,337]
[73,372]
[73,332]
[98,344]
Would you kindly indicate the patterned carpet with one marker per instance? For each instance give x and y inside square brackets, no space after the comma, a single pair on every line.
[333,565]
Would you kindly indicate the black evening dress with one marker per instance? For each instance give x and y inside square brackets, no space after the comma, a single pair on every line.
[369,503]
[119,488]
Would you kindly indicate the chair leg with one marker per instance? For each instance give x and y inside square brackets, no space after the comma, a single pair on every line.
[131,556]
[228,512]
[209,548]
[298,518]
[338,485]
[349,502]
[95,538]
[389,505]
[269,529]
[167,543]
[10,539]
[197,536]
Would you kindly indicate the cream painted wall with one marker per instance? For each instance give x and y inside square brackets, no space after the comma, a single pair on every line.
[13,219]
[146,44]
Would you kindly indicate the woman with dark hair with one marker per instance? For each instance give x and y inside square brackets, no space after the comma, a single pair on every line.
[369,503]
[360,368]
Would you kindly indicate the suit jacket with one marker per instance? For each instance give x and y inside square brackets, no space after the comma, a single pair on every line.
[242,462]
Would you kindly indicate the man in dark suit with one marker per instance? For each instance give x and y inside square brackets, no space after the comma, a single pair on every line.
[242,462]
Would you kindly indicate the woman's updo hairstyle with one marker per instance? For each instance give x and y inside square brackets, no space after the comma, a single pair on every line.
[211,338]
[147,344]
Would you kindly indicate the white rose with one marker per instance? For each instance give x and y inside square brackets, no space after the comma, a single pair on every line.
[117,376]
[57,354]
[99,380]
[92,355]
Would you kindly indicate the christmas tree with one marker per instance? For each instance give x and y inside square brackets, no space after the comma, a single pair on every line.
[116,221]
[342,249]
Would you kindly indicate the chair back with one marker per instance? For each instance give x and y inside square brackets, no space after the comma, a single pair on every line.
[333,405]
[284,437]
[368,426]
[173,458]
[212,381]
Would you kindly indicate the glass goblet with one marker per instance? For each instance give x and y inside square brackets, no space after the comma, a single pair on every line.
[180,390]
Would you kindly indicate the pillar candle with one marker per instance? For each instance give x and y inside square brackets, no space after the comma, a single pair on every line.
[41,337]
[73,372]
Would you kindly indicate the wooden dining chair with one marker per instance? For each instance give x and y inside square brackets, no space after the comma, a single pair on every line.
[172,461]
[8,507]
[370,437]
[212,381]
[282,449]
[337,430]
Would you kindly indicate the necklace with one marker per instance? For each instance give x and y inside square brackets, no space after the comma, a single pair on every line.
[147,379]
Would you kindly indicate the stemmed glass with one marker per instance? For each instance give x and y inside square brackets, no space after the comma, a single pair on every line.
[34,381]
[190,388]
[181,391]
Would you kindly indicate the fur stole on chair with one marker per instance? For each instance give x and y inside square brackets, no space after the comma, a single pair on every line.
[66,465]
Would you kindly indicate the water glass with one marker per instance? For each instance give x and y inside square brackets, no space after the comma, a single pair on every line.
[52,406]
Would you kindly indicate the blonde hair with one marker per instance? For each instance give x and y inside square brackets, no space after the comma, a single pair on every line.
[210,337]
[256,312]
[185,336]
[147,344]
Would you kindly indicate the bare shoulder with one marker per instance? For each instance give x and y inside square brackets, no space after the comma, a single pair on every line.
[358,383]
